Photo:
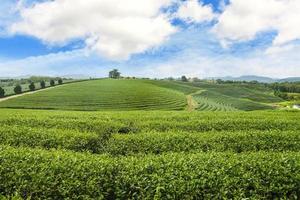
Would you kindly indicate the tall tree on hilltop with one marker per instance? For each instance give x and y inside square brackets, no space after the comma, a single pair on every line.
[115,74]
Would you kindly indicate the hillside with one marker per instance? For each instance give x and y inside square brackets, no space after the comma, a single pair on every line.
[126,94]
[105,94]
[260,79]
[230,97]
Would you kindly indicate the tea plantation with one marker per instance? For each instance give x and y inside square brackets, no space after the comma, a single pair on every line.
[105,94]
[149,155]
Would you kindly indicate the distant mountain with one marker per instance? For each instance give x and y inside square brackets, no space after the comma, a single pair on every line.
[290,79]
[261,79]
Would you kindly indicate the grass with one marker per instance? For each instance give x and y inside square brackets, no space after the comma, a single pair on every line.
[105,94]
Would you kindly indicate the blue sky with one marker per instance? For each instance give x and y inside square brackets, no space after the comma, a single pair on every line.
[168,38]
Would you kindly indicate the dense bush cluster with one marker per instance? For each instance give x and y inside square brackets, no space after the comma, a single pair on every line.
[149,155]
[58,175]
[2,92]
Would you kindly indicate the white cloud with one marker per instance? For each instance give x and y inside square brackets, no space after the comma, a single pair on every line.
[242,20]
[115,29]
[193,11]
[279,64]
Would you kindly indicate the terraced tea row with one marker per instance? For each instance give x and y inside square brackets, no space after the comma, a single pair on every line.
[120,133]
[206,104]
[150,142]
[159,121]
[39,174]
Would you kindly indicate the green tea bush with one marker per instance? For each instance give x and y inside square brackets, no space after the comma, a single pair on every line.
[39,174]
[158,143]
[50,138]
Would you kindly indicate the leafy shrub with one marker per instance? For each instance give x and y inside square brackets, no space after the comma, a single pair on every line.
[60,81]
[43,84]
[31,86]
[2,92]
[38,174]
[18,89]
[52,82]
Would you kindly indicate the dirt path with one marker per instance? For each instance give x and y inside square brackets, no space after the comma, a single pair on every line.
[192,104]
[27,93]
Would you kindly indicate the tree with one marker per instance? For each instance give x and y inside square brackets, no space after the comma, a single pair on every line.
[18,89]
[184,79]
[219,81]
[31,86]
[2,92]
[115,74]
[60,81]
[43,84]
[52,82]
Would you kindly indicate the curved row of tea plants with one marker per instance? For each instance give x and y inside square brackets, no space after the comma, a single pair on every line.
[206,104]
[159,121]
[150,142]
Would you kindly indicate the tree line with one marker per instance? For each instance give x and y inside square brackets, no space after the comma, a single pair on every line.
[32,86]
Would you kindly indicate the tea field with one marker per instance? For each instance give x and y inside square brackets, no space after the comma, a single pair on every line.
[139,94]
[48,154]
[105,94]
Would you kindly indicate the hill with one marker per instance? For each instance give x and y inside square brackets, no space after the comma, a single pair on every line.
[138,94]
[229,97]
[105,94]
[260,79]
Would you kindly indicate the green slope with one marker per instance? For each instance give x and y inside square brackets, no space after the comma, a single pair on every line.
[216,97]
[105,94]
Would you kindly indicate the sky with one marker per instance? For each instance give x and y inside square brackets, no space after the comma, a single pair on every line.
[150,38]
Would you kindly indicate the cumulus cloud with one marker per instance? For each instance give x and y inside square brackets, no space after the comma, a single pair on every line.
[242,20]
[194,11]
[113,28]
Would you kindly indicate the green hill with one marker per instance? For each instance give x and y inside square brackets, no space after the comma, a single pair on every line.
[104,94]
[216,97]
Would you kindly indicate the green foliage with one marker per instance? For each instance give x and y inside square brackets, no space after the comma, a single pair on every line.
[115,74]
[105,94]
[52,82]
[31,86]
[60,81]
[18,89]
[50,138]
[184,79]
[220,141]
[148,155]
[2,92]
[59,175]
[43,84]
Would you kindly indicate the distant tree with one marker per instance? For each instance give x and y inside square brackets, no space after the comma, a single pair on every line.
[219,81]
[184,79]
[60,81]
[52,82]
[2,92]
[115,74]
[43,84]
[18,89]
[31,86]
